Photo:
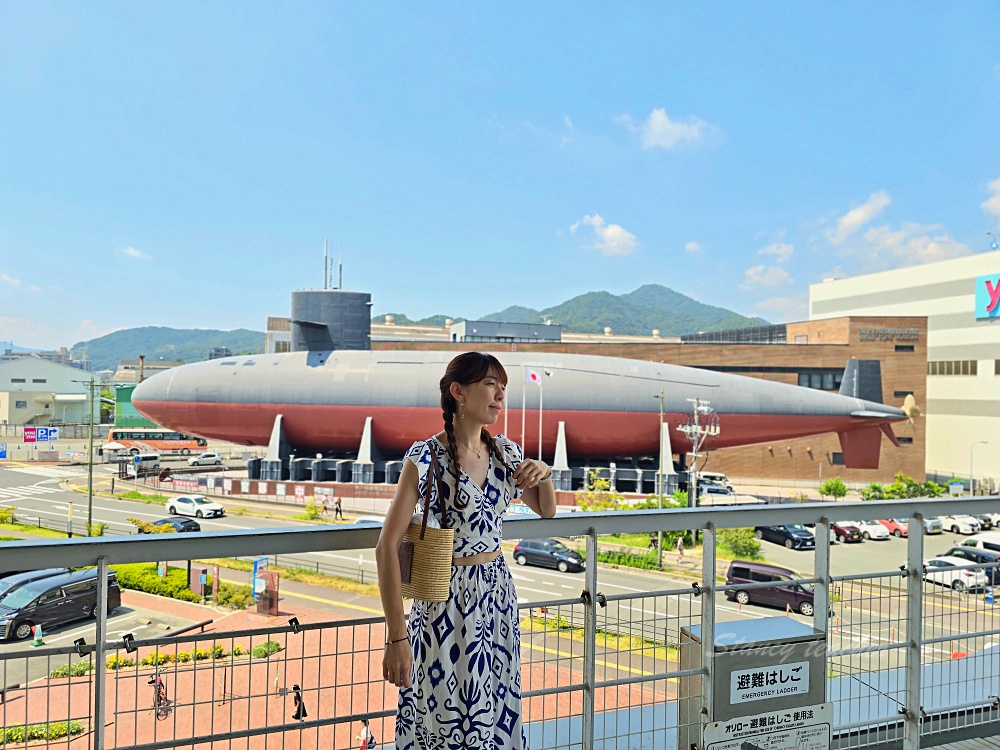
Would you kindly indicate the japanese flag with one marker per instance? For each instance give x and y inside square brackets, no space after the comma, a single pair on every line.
[532,376]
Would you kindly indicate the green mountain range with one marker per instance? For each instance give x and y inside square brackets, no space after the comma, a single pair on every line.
[156,342]
[637,313]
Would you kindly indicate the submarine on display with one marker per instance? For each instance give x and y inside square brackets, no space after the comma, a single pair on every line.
[594,407]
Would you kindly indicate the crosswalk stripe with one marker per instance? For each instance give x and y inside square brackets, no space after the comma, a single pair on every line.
[46,471]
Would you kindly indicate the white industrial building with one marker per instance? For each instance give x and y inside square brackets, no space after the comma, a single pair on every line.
[35,391]
[961,300]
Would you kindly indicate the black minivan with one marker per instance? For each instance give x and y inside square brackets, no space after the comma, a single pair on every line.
[10,583]
[54,601]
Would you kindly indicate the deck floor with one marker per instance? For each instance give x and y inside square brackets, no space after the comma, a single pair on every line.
[986,743]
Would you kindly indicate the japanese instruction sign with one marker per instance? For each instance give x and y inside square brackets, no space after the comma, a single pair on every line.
[805,728]
[761,683]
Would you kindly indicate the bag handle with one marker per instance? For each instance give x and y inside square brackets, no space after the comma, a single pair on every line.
[432,478]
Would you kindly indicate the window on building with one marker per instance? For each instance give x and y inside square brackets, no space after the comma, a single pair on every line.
[904,347]
[17,380]
[996,367]
[282,347]
[39,380]
[965,367]
[902,394]
[974,367]
[905,440]
[20,404]
[949,368]
[837,459]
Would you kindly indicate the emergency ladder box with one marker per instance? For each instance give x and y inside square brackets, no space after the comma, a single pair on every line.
[766,665]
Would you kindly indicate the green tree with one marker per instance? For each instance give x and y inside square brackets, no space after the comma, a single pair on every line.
[148,527]
[741,542]
[598,494]
[834,487]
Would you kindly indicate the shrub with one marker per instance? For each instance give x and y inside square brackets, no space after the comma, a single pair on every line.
[72,670]
[598,494]
[264,650]
[218,652]
[234,596]
[629,559]
[184,656]
[96,529]
[142,577]
[741,542]
[312,510]
[7,515]
[237,650]
[155,659]
[18,734]
[200,654]
[120,662]
[148,527]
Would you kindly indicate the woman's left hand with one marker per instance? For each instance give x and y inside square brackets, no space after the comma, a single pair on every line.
[529,473]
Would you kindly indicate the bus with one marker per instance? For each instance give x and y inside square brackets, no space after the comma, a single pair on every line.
[156,440]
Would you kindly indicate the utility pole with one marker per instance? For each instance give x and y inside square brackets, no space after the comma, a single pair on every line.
[697,433]
[90,463]
[659,486]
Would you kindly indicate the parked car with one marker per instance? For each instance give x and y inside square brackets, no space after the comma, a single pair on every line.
[547,553]
[871,529]
[15,581]
[711,488]
[961,524]
[985,521]
[786,592]
[949,571]
[368,521]
[986,541]
[792,536]
[974,556]
[178,524]
[194,505]
[933,525]
[54,601]
[206,459]
[717,477]
[896,526]
[846,531]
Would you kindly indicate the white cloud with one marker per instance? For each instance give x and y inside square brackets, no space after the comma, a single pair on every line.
[857,217]
[9,280]
[35,288]
[692,247]
[659,131]
[131,252]
[992,204]
[567,122]
[765,276]
[610,239]
[787,308]
[781,250]
[34,335]
[911,244]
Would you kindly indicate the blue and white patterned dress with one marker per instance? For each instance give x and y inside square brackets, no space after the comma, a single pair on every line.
[466,675]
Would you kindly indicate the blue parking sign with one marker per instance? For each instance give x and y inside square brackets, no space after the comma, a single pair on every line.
[42,435]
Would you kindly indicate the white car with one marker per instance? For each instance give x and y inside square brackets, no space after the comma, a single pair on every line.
[955,573]
[871,529]
[961,524]
[194,505]
[206,459]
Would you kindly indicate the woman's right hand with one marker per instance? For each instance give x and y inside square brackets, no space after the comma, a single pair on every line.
[397,660]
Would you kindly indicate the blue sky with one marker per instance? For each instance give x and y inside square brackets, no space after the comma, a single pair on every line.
[180,164]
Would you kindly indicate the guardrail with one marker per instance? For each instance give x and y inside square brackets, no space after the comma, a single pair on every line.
[907,661]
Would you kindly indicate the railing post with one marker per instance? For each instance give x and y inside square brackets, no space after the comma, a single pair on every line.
[100,670]
[708,624]
[821,598]
[914,630]
[589,640]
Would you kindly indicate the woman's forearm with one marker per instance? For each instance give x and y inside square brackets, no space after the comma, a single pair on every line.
[391,592]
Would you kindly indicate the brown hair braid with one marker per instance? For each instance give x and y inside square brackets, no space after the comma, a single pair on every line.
[466,369]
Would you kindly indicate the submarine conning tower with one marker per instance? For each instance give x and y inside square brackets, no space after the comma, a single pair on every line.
[330,320]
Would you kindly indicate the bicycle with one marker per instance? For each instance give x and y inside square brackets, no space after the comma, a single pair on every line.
[160,701]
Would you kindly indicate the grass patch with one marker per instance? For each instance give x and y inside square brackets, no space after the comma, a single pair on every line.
[149,499]
[55,730]
[302,575]
[33,530]
[609,641]
[72,670]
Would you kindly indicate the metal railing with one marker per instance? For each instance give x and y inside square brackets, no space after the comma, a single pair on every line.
[908,661]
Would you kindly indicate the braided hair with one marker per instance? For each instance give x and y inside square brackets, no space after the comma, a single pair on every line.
[466,369]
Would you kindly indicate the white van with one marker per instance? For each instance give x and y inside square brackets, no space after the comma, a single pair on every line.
[717,478]
[144,462]
[988,540]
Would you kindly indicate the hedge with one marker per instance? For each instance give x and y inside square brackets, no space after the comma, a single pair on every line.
[234,596]
[143,577]
[75,670]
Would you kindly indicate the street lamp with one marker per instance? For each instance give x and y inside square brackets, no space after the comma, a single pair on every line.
[993,245]
[979,442]
[659,487]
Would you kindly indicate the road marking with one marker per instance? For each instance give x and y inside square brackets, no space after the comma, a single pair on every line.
[47,471]
[311,598]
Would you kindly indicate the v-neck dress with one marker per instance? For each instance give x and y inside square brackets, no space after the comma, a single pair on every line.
[466,677]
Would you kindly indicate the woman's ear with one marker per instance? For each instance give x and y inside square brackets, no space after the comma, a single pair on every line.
[456,391]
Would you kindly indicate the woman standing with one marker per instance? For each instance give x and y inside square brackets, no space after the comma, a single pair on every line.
[458,663]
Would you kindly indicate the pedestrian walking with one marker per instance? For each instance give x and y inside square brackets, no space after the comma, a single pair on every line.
[300,706]
[368,741]
[338,512]
[323,508]
[460,685]
[680,546]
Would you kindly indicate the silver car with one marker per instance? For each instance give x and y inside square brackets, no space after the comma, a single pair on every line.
[933,526]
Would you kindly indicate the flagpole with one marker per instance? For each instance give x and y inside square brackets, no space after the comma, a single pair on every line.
[540,384]
[524,391]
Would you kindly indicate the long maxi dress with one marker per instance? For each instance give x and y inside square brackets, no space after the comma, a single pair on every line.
[466,677]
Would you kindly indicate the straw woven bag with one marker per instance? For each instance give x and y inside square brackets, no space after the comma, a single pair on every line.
[425,554]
